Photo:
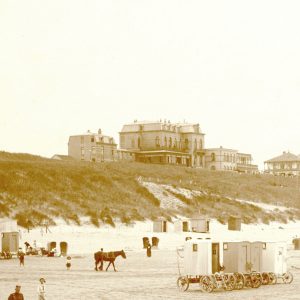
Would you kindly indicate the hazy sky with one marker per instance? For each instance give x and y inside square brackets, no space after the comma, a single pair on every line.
[67,66]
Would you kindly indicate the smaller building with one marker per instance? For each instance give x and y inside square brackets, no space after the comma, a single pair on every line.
[194,224]
[9,241]
[94,147]
[234,223]
[199,224]
[160,225]
[225,159]
[286,164]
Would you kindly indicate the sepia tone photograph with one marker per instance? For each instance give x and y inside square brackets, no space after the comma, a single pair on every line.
[149,150]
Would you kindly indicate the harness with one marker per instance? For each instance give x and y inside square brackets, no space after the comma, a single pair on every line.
[109,255]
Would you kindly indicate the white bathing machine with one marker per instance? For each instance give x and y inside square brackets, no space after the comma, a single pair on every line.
[236,256]
[259,256]
[201,257]
[274,257]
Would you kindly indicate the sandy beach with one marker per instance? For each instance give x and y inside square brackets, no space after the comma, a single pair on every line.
[138,277]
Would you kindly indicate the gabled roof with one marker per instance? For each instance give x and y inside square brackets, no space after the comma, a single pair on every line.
[285,156]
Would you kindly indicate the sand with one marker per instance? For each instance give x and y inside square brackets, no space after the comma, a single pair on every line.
[138,277]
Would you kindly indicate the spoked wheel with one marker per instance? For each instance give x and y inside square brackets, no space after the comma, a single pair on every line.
[239,281]
[272,278]
[229,281]
[265,278]
[287,277]
[256,280]
[207,284]
[183,283]
[248,281]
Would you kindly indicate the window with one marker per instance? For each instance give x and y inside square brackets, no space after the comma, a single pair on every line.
[166,142]
[186,144]
[157,142]
[225,246]
[213,157]
[195,247]
[92,139]
[139,142]
[200,144]
[170,142]
[122,140]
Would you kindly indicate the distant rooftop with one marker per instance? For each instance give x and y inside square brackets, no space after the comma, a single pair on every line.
[285,156]
[99,136]
[161,125]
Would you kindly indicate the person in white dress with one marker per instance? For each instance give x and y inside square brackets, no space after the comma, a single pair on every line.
[41,289]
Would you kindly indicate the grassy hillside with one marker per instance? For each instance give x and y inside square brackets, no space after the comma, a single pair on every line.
[36,190]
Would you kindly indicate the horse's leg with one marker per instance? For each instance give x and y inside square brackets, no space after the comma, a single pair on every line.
[108,265]
[101,265]
[96,265]
[114,265]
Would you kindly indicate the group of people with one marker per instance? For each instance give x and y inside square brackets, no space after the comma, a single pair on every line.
[41,291]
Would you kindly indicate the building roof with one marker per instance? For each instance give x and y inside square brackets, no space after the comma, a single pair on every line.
[221,149]
[285,156]
[161,126]
[99,137]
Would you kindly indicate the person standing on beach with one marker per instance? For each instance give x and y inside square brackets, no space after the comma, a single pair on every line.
[41,290]
[21,258]
[68,263]
[149,250]
[16,295]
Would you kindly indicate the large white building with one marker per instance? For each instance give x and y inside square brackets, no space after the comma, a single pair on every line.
[164,142]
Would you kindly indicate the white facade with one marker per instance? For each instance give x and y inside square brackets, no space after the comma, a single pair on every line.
[274,256]
[7,225]
[198,257]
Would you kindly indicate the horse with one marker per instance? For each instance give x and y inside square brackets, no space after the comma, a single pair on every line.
[107,256]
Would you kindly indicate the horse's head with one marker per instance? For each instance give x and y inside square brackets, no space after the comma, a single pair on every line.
[123,254]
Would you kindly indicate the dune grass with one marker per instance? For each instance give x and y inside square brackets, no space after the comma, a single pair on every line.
[36,190]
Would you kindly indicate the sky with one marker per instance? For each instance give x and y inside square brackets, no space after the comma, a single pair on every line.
[68,66]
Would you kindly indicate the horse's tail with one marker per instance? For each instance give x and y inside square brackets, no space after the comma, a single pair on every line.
[95,255]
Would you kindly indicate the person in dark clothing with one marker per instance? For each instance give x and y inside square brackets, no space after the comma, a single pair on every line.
[149,250]
[68,263]
[27,245]
[101,265]
[16,295]
[21,258]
